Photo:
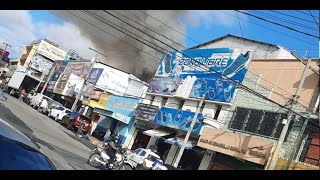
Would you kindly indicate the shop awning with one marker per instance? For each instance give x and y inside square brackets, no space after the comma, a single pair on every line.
[177,141]
[156,133]
[120,117]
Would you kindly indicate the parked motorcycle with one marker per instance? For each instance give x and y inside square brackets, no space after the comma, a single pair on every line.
[99,157]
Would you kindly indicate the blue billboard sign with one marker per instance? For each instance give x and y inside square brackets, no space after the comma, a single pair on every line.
[95,75]
[178,119]
[210,67]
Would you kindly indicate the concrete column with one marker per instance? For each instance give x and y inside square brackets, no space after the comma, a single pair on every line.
[134,135]
[206,160]
[152,141]
[171,154]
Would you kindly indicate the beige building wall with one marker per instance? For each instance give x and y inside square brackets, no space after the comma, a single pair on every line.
[283,77]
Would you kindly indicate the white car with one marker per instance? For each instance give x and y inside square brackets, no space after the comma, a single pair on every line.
[143,159]
[58,112]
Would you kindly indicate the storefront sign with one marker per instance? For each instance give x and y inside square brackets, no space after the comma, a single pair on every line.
[122,105]
[51,51]
[102,103]
[164,85]
[206,65]
[178,119]
[145,112]
[245,147]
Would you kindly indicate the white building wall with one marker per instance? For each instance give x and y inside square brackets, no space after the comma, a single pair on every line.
[173,103]
[259,50]
[190,105]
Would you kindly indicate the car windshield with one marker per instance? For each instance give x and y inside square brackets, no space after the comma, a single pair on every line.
[74,114]
[15,155]
[153,158]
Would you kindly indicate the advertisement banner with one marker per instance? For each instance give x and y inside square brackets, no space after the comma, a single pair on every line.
[145,112]
[113,80]
[80,69]
[41,63]
[95,75]
[237,145]
[122,105]
[50,51]
[136,88]
[95,95]
[207,64]
[59,67]
[215,89]
[4,55]
[178,119]
[73,85]
[164,85]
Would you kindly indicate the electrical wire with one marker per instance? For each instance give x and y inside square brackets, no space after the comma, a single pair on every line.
[316,45]
[265,15]
[305,13]
[314,19]
[292,16]
[200,55]
[241,85]
[275,23]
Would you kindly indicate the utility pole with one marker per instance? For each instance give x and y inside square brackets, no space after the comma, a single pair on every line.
[285,128]
[85,80]
[5,49]
[189,132]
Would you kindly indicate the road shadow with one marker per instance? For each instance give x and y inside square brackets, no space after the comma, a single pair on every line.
[12,119]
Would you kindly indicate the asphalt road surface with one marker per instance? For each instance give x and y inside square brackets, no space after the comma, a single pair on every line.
[60,145]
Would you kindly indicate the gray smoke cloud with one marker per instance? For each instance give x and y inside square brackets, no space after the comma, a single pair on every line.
[130,58]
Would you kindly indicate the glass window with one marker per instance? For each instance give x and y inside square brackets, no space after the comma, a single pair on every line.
[68,111]
[60,108]
[136,151]
[153,158]
[142,153]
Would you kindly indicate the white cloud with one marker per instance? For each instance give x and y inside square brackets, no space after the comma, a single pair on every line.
[18,28]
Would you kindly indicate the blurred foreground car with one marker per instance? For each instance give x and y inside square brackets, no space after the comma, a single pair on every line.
[18,152]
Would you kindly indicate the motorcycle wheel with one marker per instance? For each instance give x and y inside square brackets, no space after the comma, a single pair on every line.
[92,160]
[126,167]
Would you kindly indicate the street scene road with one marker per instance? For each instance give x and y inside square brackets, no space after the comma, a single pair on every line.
[59,144]
[128,90]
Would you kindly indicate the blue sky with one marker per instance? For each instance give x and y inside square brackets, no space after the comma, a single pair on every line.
[211,25]
[255,32]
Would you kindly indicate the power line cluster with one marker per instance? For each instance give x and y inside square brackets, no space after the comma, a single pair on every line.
[102,20]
